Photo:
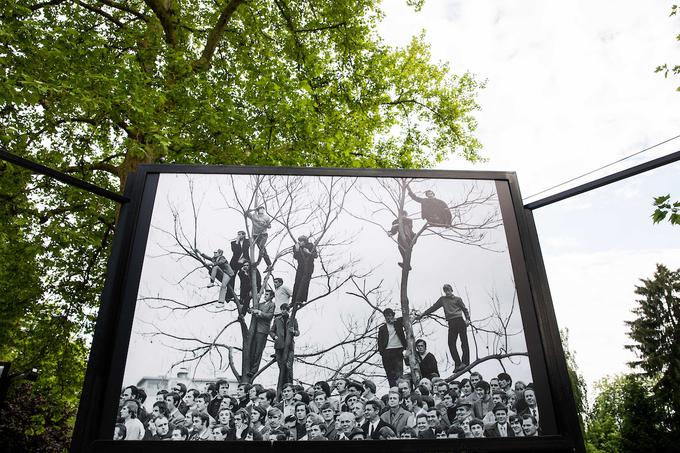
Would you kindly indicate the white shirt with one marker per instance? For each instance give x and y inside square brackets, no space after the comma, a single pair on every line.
[503,430]
[394,341]
[282,296]
[373,427]
[534,412]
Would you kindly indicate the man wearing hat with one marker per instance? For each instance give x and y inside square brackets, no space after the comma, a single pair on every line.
[460,413]
[501,428]
[432,209]
[369,392]
[304,252]
[391,344]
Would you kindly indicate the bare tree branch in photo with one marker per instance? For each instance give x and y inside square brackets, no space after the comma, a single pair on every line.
[295,209]
[458,221]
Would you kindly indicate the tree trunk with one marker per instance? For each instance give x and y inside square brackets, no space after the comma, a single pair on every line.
[405,309]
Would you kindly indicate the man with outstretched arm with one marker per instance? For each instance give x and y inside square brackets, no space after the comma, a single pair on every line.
[454,311]
[435,211]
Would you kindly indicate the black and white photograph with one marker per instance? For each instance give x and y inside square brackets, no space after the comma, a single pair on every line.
[277,307]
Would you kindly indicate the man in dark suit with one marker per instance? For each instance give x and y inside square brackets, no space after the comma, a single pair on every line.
[260,323]
[501,428]
[283,332]
[528,406]
[245,291]
[373,420]
[240,254]
[391,344]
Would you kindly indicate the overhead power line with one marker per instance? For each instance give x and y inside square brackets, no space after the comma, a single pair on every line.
[602,167]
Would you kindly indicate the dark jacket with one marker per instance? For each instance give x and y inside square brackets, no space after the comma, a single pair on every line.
[284,331]
[262,323]
[427,434]
[384,336]
[237,250]
[256,434]
[246,286]
[493,431]
[433,210]
[428,365]
[366,426]
[331,432]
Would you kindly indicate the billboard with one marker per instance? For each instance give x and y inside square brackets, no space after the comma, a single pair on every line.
[305,305]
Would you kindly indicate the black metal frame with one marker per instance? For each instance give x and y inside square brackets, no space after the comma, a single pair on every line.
[605,180]
[4,380]
[63,177]
[99,402]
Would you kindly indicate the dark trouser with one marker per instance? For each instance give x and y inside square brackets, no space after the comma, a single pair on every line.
[261,242]
[257,343]
[457,326]
[303,277]
[393,362]
[236,267]
[404,243]
[285,365]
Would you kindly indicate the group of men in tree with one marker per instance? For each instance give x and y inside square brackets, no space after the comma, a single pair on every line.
[270,312]
[434,408]
[347,410]
[392,344]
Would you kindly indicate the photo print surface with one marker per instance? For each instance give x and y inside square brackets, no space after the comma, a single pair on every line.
[281,307]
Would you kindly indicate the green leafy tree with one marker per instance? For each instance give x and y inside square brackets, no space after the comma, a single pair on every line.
[96,87]
[624,417]
[664,68]
[656,336]
[664,207]
[579,387]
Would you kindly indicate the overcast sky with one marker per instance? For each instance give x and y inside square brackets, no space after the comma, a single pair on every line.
[571,87]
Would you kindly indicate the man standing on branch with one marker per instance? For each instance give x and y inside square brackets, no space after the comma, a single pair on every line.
[220,270]
[404,234]
[283,332]
[282,295]
[262,314]
[304,253]
[454,310]
[261,223]
[246,288]
[391,345]
[240,254]
[434,210]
